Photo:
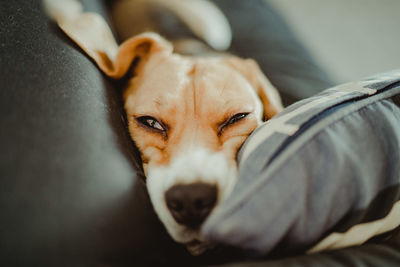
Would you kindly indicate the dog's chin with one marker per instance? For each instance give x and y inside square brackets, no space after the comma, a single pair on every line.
[197,247]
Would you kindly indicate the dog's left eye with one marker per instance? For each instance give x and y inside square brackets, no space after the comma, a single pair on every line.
[232,120]
[236,118]
[150,122]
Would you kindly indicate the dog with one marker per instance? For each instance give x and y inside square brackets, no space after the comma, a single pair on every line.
[188,116]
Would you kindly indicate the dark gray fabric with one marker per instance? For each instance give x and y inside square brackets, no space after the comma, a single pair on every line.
[69,189]
[260,32]
[382,254]
[337,168]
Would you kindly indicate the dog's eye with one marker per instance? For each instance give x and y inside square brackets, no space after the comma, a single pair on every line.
[236,118]
[232,120]
[150,122]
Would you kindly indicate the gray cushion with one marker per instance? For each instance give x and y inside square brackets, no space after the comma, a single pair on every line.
[324,165]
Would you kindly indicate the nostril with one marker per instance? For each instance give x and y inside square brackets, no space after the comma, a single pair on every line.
[176,206]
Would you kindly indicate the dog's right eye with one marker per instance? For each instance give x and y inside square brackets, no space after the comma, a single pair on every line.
[151,123]
[237,118]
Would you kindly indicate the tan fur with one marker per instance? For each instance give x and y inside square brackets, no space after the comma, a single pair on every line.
[191,97]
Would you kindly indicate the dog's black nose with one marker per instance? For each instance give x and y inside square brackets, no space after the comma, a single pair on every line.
[190,204]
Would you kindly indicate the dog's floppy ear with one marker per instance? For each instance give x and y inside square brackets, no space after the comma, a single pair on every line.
[93,35]
[267,93]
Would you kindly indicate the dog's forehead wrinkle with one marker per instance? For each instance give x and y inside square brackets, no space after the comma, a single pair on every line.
[217,86]
[195,75]
[158,102]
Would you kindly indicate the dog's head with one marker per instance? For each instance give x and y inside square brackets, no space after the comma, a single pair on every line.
[188,116]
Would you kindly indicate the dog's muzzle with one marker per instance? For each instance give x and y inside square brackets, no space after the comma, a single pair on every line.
[191,204]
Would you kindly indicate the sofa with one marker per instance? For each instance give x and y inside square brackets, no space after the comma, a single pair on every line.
[72,192]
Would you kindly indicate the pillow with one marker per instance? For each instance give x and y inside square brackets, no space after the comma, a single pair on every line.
[323,174]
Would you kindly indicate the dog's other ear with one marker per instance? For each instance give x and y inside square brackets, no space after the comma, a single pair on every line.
[93,35]
[267,93]
[91,32]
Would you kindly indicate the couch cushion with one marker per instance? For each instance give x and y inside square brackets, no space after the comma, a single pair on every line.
[326,167]
[70,193]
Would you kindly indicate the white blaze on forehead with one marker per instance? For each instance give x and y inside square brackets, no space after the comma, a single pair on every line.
[198,165]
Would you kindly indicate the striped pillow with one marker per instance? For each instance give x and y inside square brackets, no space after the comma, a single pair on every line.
[323,174]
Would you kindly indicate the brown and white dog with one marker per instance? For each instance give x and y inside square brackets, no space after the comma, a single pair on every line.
[188,116]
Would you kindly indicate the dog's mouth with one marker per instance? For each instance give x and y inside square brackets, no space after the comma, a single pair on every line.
[192,243]
[197,247]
